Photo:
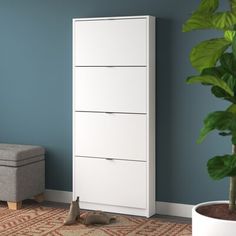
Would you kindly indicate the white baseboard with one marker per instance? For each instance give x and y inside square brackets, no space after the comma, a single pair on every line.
[58,196]
[162,208]
[174,209]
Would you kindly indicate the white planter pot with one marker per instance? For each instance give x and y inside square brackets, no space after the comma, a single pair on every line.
[207,226]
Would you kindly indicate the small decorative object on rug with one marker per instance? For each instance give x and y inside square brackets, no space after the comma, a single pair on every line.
[74,213]
[97,217]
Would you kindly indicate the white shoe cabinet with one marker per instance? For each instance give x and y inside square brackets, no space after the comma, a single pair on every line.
[114,114]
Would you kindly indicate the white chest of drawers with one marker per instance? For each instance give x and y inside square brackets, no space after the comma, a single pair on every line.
[114,114]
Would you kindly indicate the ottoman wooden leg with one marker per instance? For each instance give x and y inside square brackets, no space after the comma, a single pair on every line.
[39,197]
[14,205]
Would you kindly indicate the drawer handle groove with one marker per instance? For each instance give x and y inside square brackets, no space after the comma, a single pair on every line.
[109,159]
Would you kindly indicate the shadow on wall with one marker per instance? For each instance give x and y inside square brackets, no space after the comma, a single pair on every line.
[163,107]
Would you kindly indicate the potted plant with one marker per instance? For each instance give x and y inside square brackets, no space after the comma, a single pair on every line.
[215,61]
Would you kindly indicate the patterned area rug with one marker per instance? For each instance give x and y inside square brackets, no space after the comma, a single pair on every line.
[35,220]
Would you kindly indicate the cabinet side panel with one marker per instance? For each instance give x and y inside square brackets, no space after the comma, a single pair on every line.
[73,93]
[151,72]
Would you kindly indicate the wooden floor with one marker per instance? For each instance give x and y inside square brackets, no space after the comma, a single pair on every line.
[175,219]
[162,217]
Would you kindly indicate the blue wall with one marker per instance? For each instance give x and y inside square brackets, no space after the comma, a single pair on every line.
[36,80]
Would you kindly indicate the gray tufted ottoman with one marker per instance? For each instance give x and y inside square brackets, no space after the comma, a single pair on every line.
[22,173]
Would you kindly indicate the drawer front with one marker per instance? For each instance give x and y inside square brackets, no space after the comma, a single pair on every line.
[110,42]
[119,183]
[117,89]
[119,136]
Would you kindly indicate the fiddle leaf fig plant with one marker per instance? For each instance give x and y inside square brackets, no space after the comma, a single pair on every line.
[215,63]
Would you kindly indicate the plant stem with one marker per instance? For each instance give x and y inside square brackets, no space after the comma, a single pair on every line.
[232,188]
[232,193]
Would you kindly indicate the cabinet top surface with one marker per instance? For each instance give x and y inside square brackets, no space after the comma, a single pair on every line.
[113,18]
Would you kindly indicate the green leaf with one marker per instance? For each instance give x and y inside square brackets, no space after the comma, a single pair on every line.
[227,60]
[206,53]
[230,80]
[229,35]
[233,6]
[219,120]
[211,80]
[232,127]
[220,93]
[218,71]
[222,166]
[232,108]
[228,63]
[214,71]
[233,139]
[206,18]
[224,20]
[208,6]
[201,18]
[197,21]
[234,46]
